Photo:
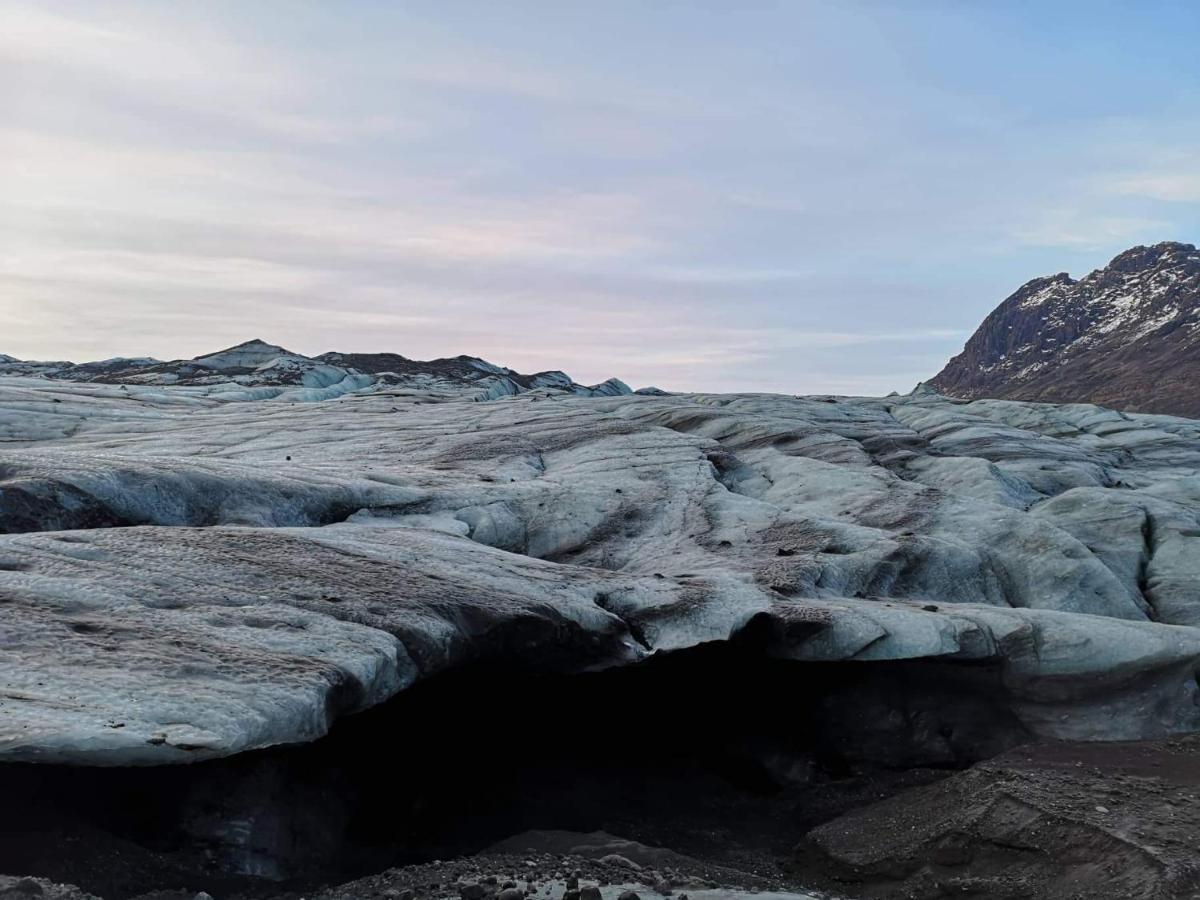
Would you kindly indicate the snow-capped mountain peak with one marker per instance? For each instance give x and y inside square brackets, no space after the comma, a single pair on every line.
[1126,335]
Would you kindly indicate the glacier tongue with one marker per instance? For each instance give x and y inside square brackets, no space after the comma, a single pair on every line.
[195,571]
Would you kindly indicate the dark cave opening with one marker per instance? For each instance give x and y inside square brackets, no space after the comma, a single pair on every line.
[717,752]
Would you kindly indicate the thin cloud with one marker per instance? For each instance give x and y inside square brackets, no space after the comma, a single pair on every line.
[1077,229]
[715,198]
[1176,187]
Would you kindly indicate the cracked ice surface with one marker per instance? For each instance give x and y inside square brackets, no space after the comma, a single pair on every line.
[186,572]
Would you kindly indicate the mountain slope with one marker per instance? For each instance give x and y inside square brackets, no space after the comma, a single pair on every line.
[1126,336]
[293,376]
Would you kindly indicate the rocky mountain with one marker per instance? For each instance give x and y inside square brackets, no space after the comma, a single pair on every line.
[293,376]
[1126,336]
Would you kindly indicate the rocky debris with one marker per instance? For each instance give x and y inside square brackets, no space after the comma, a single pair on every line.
[1027,824]
[1125,336]
[608,850]
[618,859]
[550,876]
[258,598]
[25,888]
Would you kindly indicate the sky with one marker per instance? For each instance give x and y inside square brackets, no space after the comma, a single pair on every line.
[795,197]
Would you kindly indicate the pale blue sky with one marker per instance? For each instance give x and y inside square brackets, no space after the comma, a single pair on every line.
[801,197]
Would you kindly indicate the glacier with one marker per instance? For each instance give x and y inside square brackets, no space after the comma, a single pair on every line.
[190,572]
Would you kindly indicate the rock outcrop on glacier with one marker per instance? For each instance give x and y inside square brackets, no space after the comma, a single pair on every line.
[1125,336]
[194,571]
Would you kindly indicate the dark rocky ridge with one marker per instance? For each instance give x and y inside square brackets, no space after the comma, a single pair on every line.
[1126,336]
[257,363]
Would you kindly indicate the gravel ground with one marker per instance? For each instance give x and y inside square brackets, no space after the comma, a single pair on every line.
[556,876]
